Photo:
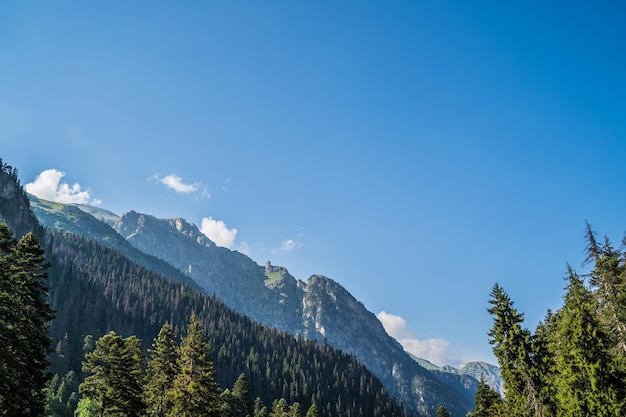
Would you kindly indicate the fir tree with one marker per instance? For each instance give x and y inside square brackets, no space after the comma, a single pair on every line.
[313,411]
[487,401]
[259,410]
[195,392]
[115,383]
[162,370]
[513,349]
[242,393]
[24,320]
[583,365]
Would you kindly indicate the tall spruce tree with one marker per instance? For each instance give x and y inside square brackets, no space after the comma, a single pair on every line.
[608,279]
[242,392]
[116,376]
[162,370]
[512,346]
[584,369]
[487,401]
[24,320]
[195,392]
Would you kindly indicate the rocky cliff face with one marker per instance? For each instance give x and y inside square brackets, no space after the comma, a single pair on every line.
[319,308]
[15,204]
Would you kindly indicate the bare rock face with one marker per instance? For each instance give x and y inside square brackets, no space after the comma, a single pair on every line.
[15,204]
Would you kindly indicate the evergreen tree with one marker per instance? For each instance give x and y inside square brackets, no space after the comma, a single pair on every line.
[544,365]
[584,368]
[513,349]
[195,392]
[259,410]
[228,405]
[280,408]
[162,370]
[313,411]
[487,401]
[24,320]
[608,278]
[242,393]
[295,410]
[115,383]
[60,399]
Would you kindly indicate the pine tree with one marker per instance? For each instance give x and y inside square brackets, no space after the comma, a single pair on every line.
[24,320]
[115,383]
[608,278]
[582,362]
[313,411]
[280,408]
[162,370]
[242,392]
[513,349]
[487,401]
[195,392]
[259,410]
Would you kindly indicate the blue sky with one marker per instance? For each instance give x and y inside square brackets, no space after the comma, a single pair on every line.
[415,152]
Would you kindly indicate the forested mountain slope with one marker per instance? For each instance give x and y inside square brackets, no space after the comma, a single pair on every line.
[95,289]
[319,309]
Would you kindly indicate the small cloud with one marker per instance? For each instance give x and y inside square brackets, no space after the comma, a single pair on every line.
[288,245]
[175,182]
[226,185]
[48,186]
[218,232]
[434,350]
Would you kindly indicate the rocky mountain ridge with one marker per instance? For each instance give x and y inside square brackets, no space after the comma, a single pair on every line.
[319,308]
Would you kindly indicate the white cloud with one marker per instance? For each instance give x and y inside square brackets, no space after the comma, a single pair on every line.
[218,232]
[48,186]
[434,350]
[288,245]
[175,182]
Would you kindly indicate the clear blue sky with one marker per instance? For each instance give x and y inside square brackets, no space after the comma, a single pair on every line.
[415,152]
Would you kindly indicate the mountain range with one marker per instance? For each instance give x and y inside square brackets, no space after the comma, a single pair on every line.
[319,309]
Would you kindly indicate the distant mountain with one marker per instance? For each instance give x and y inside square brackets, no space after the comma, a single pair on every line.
[77,219]
[469,375]
[490,373]
[318,309]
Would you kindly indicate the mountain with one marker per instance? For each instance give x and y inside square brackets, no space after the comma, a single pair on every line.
[95,289]
[490,373]
[77,219]
[319,309]
[474,370]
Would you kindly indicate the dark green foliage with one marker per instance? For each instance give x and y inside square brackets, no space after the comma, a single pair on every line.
[513,348]
[24,320]
[116,377]
[61,400]
[487,401]
[162,370]
[575,363]
[582,360]
[243,395]
[96,289]
[313,411]
[194,391]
